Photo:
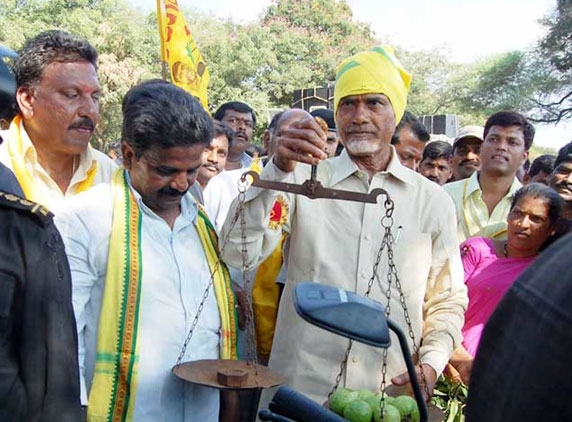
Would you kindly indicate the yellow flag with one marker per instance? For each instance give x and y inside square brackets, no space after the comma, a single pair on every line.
[179,50]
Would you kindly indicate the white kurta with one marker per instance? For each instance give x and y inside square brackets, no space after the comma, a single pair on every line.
[336,243]
[175,276]
[219,194]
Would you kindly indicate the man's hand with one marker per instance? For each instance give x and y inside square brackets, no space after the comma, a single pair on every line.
[426,389]
[460,366]
[302,141]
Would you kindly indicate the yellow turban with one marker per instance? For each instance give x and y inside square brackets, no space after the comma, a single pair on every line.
[375,71]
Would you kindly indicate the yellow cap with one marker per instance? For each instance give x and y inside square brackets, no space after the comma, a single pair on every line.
[376,71]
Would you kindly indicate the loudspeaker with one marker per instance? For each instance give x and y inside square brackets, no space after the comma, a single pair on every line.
[446,124]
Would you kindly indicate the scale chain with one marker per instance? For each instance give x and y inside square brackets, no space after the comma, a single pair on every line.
[389,212]
[204,298]
[387,241]
[252,352]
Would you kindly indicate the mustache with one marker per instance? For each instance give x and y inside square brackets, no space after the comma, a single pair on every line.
[167,191]
[469,162]
[563,185]
[84,123]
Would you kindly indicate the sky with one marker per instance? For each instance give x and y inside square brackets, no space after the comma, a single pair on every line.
[465,30]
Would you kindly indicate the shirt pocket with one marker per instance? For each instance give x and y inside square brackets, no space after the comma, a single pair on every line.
[412,256]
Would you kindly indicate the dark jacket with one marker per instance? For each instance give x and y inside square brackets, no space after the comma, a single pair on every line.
[8,182]
[39,375]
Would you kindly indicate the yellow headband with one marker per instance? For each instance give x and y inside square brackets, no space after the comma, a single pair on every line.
[375,71]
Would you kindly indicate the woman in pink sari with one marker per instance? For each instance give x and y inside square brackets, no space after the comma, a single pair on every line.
[491,266]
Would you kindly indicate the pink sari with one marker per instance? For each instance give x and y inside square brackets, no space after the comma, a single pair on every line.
[487,277]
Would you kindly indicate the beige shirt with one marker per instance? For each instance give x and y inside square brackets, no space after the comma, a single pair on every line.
[473,217]
[336,243]
[49,193]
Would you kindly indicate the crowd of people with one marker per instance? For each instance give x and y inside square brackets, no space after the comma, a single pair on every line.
[108,262]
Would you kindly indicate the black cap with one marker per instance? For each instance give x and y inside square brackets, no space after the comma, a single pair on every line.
[327,115]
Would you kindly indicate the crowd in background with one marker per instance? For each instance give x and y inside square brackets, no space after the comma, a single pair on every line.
[97,302]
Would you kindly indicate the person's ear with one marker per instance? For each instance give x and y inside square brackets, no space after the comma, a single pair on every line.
[266,139]
[128,155]
[25,99]
[524,158]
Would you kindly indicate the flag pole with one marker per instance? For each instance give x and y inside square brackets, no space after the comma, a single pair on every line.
[164,64]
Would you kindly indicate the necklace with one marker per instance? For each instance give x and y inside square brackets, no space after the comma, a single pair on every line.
[505,249]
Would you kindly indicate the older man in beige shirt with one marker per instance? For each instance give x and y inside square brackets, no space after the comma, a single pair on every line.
[336,242]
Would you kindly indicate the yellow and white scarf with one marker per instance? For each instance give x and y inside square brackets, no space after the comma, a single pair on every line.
[16,151]
[112,396]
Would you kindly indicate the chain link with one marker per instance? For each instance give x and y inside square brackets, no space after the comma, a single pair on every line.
[252,352]
[387,243]
[388,213]
[195,319]
[393,271]
[342,368]
[241,188]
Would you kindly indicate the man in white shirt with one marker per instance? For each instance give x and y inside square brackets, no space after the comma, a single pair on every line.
[482,201]
[241,119]
[336,242]
[216,153]
[142,254]
[47,144]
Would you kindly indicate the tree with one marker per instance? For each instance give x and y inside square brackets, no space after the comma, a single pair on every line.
[435,82]
[503,82]
[309,39]
[127,43]
[553,102]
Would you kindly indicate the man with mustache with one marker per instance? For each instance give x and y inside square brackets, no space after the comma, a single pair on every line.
[216,154]
[142,254]
[335,242]
[561,180]
[241,119]
[466,152]
[483,200]
[409,139]
[47,145]
[436,162]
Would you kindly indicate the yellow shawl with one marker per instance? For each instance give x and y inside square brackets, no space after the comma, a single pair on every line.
[16,151]
[114,387]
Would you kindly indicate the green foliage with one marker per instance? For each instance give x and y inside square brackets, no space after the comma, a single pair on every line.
[309,38]
[500,83]
[451,398]
[296,44]
[553,58]
[537,151]
[127,44]
[435,82]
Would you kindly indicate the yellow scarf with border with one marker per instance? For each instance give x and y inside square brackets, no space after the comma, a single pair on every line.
[265,290]
[114,387]
[16,151]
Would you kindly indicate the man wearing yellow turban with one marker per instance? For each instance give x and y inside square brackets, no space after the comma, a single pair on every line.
[336,242]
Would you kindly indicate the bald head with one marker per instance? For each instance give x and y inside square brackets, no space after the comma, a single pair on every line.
[286,119]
